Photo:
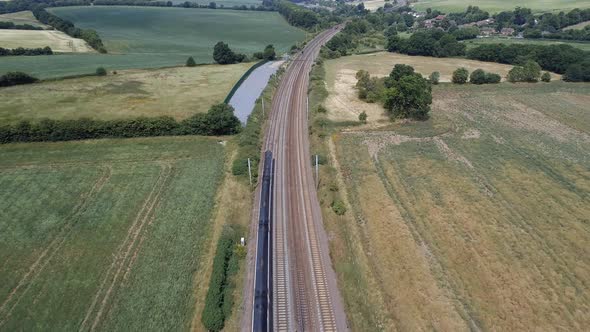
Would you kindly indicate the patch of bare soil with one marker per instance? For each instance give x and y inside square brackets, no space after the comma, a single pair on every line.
[343,103]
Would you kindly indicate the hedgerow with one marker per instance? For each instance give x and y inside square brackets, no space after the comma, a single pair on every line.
[219,120]
[219,299]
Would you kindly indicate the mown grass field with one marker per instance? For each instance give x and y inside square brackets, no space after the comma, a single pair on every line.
[105,234]
[176,92]
[23,17]
[476,42]
[475,219]
[57,40]
[455,6]
[146,37]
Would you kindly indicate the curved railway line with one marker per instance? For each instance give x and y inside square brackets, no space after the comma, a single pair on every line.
[304,293]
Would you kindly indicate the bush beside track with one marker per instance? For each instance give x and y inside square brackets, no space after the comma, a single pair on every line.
[219,300]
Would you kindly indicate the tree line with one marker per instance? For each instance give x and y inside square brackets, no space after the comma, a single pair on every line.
[561,59]
[88,35]
[432,42]
[219,120]
[12,26]
[26,51]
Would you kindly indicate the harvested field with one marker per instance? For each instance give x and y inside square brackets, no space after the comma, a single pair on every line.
[476,219]
[57,40]
[105,234]
[343,102]
[177,92]
[24,17]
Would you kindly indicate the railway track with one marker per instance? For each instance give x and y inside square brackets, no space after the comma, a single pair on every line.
[304,292]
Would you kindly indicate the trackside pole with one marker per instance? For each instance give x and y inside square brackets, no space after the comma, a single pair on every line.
[317,173]
[262,107]
[307,106]
[250,171]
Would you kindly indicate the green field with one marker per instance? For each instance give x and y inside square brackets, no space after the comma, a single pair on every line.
[453,6]
[105,234]
[149,37]
[477,219]
[225,3]
[495,40]
[176,92]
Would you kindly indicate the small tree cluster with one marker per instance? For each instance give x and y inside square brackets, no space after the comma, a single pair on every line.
[479,76]
[268,54]
[100,71]
[434,77]
[370,89]
[26,51]
[16,78]
[408,94]
[460,76]
[223,55]
[529,72]
[190,62]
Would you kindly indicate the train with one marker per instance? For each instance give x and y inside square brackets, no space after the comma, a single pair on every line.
[262,317]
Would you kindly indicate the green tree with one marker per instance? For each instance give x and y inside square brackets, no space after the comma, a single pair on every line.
[478,76]
[220,120]
[434,77]
[460,76]
[269,53]
[223,55]
[398,71]
[410,97]
[546,77]
[493,78]
[190,62]
[100,71]
[363,117]
[532,71]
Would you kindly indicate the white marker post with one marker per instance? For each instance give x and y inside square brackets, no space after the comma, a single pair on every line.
[250,172]
[317,173]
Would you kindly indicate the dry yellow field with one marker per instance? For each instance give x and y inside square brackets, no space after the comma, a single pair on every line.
[477,219]
[57,40]
[372,5]
[581,25]
[177,92]
[23,17]
[340,79]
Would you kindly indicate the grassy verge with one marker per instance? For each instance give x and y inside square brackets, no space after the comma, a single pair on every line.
[346,245]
